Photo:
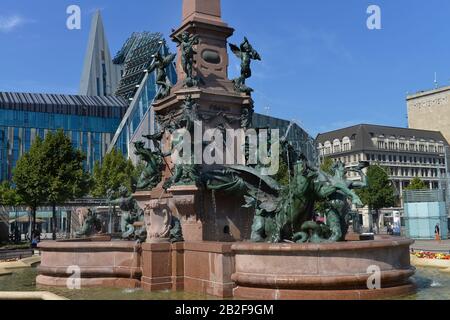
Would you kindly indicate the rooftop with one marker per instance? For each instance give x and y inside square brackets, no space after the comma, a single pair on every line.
[424,93]
[61,103]
[362,135]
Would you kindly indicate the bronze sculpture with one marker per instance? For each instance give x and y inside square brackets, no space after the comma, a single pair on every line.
[246,54]
[247,117]
[132,217]
[286,214]
[152,174]
[187,41]
[160,64]
[92,225]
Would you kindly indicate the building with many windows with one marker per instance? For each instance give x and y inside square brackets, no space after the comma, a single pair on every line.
[430,110]
[89,121]
[405,153]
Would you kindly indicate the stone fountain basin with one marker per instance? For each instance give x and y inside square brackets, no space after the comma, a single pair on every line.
[240,270]
[322,271]
[100,264]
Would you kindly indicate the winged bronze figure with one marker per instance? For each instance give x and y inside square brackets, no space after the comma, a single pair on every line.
[246,54]
[160,64]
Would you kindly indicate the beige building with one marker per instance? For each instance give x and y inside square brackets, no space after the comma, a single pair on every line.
[430,110]
[405,153]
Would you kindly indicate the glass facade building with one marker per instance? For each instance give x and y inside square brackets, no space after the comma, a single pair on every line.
[302,142]
[139,88]
[90,122]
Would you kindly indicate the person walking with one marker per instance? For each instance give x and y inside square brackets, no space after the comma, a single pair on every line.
[437,232]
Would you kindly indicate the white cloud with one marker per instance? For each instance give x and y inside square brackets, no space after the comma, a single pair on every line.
[9,23]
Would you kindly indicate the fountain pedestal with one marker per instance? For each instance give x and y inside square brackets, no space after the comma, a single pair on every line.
[187,202]
[156,266]
[338,271]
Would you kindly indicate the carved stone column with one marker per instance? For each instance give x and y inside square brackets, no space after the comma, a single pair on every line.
[186,200]
[158,213]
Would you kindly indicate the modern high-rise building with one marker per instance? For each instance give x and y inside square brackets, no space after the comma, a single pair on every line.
[430,110]
[139,88]
[100,75]
[89,121]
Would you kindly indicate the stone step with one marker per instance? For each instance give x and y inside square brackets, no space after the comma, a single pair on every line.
[29,296]
[21,264]
[4,272]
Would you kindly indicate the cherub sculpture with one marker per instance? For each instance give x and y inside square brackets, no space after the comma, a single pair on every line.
[246,54]
[187,42]
[160,64]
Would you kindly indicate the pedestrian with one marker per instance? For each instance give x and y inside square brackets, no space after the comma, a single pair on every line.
[437,232]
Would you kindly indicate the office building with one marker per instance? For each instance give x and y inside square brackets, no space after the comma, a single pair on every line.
[89,121]
[430,110]
[404,153]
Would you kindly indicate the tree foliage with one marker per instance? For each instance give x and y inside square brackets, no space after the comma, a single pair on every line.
[66,178]
[282,176]
[327,165]
[29,181]
[380,193]
[9,195]
[114,172]
[51,173]
[417,184]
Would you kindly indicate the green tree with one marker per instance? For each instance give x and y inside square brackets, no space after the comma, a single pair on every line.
[417,184]
[51,173]
[282,176]
[380,193]
[29,178]
[114,172]
[65,176]
[8,195]
[327,165]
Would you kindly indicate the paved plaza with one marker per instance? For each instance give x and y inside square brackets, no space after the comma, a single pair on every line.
[432,246]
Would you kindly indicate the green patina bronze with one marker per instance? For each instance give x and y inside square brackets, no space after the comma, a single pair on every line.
[92,225]
[186,42]
[185,173]
[132,217]
[160,64]
[246,118]
[176,231]
[151,176]
[246,54]
[338,213]
[286,214]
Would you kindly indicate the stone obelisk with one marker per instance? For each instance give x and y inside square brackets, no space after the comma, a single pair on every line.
[204,216]
[215,92]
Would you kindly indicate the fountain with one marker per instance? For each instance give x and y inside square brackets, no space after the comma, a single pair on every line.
[191,220]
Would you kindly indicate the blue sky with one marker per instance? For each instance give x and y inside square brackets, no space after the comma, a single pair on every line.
[321,65]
